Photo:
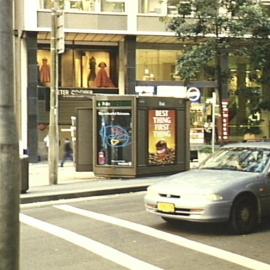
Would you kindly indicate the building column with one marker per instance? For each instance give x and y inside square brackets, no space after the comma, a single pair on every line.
[130,50]
[224,61]
[121,77]
[32,97]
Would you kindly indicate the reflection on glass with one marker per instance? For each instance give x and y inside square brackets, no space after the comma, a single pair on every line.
[238,159]
[84,5]
[158,6]
[113,5]
[114,137]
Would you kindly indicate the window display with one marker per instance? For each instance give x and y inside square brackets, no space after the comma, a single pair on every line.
[80,68]
[158,65]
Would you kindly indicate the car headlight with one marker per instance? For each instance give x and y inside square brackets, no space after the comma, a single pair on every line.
[214,197]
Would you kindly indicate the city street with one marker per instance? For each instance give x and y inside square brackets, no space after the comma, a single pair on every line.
[114,232]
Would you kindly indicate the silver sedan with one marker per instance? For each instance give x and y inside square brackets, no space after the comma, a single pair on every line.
[232,185]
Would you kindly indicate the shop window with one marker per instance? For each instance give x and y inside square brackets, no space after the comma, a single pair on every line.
[86,69]
[157,65]
[79,68]
[246,119]
[113,5]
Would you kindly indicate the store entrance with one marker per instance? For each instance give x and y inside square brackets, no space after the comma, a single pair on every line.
[201,118]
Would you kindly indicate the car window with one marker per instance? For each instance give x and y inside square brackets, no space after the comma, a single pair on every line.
[239,159]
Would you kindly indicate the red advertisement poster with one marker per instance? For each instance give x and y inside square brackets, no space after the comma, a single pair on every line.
[161,141]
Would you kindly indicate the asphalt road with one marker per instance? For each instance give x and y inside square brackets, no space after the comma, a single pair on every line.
[115,232]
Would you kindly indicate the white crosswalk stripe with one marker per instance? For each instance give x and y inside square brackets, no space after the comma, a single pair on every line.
[177,240]
[93,246]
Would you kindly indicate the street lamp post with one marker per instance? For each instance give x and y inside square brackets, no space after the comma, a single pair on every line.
[53,127]
[57,46]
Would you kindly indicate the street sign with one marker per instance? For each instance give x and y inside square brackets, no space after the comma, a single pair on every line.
[193,94]
[60,35]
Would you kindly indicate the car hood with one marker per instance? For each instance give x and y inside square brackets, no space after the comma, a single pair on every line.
[203,181]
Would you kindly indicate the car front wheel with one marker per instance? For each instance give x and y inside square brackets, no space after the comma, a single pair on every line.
[243,215]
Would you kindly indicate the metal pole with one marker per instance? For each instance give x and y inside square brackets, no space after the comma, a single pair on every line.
[9,149]
[53,127]
[213,121]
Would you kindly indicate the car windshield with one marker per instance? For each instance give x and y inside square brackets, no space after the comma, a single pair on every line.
[238,159]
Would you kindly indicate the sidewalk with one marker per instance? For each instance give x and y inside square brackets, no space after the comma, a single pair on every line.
[72,184]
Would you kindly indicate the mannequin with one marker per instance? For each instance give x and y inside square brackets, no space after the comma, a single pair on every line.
[92,73]
[45,75]
[102,79]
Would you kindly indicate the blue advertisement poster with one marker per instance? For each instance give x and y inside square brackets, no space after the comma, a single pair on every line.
[114,140]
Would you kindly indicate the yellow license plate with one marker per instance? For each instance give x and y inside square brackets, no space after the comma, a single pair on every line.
[166,207]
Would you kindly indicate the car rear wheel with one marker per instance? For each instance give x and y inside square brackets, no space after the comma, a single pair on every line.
[243,215]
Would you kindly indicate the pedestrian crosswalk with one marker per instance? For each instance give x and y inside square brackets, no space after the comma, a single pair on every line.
[124,259]
[89,244]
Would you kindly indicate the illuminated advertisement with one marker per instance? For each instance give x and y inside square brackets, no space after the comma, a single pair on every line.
[161,141]
[114,137]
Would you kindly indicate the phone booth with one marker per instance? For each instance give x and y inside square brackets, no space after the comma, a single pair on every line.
[140,135]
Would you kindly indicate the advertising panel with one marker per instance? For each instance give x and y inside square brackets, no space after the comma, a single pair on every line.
[114,128]
[162,134]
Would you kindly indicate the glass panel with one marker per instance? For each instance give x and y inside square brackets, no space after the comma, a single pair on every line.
[157,65]
[48,4]
[84,5]
[172,7]
[114,137]
[113,5]
[161,141]
[152,6]
[238,159]
[245,117]
[86,69]
[78,68]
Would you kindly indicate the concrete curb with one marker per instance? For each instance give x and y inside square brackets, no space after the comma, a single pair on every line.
[53,196]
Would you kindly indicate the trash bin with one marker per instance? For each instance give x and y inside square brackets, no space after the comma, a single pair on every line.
[24,174]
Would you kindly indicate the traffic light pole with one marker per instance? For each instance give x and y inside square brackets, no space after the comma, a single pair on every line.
[9,149]
[53,127]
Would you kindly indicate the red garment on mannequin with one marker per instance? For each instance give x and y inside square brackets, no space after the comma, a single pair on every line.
[45,75]
[102,79]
